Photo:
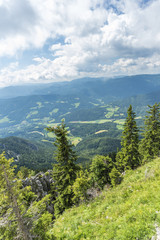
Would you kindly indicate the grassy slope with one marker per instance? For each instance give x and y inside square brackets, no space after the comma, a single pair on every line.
[128,211]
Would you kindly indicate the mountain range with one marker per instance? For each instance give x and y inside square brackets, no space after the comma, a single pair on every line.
[94,110]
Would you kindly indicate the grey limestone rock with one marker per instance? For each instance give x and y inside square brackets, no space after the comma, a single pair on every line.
[40,183]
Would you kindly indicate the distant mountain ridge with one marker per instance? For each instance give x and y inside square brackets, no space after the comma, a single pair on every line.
[118,87]
[86,99]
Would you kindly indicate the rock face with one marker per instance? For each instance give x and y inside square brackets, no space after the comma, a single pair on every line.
[41,185]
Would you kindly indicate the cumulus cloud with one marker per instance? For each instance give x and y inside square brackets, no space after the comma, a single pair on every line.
[100,38]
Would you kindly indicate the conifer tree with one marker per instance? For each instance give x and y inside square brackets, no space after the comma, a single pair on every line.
[64,172]
[9,194]
[150,144]
[21,216]
[129,157]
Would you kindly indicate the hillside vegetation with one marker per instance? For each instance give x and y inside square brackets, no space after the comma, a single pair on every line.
[94,111]
[130,210]
[33,155]
[128,204]
[26,111]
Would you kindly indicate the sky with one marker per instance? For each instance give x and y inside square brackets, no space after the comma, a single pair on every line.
[45,41]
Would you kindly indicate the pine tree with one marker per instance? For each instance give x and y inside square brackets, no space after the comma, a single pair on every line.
[150,144]
[129,157]
[64,172]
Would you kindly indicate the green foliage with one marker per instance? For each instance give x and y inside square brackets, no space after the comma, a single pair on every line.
[64,172]
[80,186]
[96,145]
[33,155]
[40,225]
[128,211]
[100,168]
[10,195]
[21,216]
[25,172]
[129,157]
[150,144]
[115,176]
[83,130]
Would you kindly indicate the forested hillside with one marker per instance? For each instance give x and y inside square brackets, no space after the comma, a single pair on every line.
[79,120]
[114,197]
[33,155]
[94,111]
[79,101]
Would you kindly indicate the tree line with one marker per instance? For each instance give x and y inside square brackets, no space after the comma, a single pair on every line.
[23,217]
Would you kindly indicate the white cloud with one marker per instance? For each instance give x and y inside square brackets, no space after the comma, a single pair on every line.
[100,38]
[129,66]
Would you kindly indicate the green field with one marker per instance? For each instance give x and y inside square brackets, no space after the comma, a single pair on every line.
[4,120]
[100,121]
[55,110]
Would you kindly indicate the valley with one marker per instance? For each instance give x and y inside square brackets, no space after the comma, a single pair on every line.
[94,111]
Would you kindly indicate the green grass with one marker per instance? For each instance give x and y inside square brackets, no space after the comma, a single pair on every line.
[120,124]
[46,119]
[31,114]
[140,117]
[50,134]
[52,120]
[63,115]
[128,211]
[5,119]
[37,132]
[61,101]
[100,101]
[120,127]
[93,122]
[55,110]
[75,140]
[45,140]
[76,105]
[39,104]
[101,131]
[111,112]
[94,104]
[36,119]
[113,109]
[120,121]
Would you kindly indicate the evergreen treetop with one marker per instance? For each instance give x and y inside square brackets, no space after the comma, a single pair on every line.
[129,156]
[64,172]
[150,144]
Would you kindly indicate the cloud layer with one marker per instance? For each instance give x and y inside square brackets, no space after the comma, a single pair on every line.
[81,38]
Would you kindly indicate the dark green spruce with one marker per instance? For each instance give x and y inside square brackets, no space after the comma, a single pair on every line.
[150,144]
[64,172]
[129,157]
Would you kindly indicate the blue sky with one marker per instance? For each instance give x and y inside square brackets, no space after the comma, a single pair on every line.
[61,40]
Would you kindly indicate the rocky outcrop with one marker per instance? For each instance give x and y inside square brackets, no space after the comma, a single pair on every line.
[41,185]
